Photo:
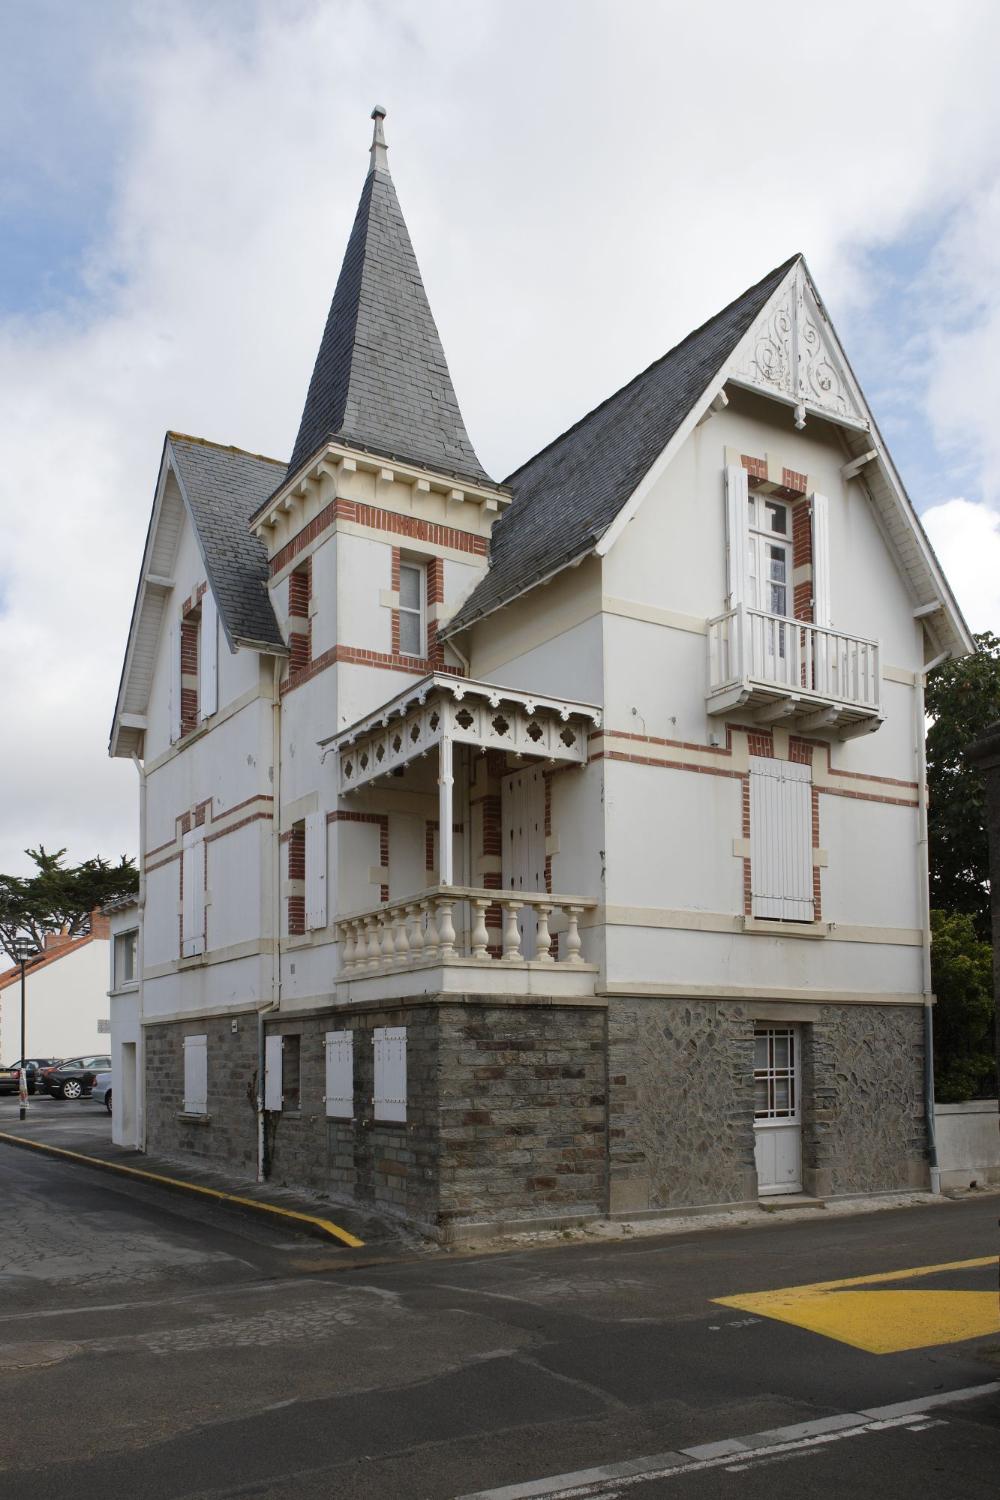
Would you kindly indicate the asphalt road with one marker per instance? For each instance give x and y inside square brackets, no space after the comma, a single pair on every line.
[154,1347]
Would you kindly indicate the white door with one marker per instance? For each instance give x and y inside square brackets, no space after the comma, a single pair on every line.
[770,576]
[777,1109]
[522,810]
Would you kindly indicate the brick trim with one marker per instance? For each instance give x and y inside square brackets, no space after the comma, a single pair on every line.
[416,666]
[382,819]
[377,519]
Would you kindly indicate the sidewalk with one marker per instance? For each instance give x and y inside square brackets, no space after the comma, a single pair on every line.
[79,1133]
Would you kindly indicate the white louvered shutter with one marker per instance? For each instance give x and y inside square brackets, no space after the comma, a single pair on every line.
[340,1074]
[174,649]
[196,1075]
[737,534]
[272,1072]
[193,908]
[781,839]
[390,1073]
[208,658]
[821,559]
[316,869]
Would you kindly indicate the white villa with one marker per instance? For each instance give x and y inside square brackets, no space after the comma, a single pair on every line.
[515,852]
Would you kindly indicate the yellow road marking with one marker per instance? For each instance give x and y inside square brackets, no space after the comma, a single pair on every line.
[882,1322]
[327,1225]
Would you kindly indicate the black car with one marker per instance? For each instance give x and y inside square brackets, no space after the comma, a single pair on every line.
[10,1076]
[73,1079]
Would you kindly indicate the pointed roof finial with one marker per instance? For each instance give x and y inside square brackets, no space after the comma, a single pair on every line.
[380,160]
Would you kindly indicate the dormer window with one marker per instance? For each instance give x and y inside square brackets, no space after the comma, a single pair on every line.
[412,609]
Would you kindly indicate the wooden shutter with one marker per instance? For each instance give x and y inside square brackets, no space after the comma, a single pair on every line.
[737,534]
[390,1073]
[316,869]
[781,839]
[196,1075]
[208,660]
[174,650]
[340,1074]
[820,506]
[193,904]
[272,1072]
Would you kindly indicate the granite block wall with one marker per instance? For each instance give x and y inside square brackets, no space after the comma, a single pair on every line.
[228,1134]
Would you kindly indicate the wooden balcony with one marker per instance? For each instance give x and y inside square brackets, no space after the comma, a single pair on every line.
[819,680]
[438,941]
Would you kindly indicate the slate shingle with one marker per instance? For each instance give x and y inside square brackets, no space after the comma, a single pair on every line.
[381,380]
[223,487]
[566,497]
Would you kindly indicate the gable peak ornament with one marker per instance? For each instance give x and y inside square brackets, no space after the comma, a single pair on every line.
[379,150]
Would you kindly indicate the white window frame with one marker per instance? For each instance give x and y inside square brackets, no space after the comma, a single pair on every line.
[389,1097]
[339,1096]
[421,610]
[760,537]
[117,982]
[773,1074]
[196,1075]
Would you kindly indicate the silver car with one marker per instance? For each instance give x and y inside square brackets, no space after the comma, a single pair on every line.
[101,1092]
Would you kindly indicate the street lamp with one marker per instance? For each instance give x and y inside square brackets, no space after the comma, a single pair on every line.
[24,952]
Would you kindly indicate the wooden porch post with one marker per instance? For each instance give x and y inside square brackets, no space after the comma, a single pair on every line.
[445,784]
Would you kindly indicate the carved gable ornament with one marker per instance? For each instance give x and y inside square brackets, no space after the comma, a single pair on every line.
[791,353]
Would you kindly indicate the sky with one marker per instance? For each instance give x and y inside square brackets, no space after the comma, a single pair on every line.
[584,182]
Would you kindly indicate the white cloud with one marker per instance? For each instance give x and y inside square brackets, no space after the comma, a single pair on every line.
[966,537]
[584,182]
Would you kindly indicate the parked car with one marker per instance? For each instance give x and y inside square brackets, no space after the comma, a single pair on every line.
[101,1091]
[10,1079]
[74,1078]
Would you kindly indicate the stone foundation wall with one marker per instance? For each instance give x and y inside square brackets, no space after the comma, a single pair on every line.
[228,1135]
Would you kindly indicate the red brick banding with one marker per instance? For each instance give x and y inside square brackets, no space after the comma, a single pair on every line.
[377,519]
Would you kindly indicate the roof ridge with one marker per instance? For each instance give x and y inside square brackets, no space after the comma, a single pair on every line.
[49,956]
[783,266]
[187,437]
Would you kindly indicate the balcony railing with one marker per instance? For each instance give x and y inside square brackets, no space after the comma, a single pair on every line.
[748,649]
[421,929]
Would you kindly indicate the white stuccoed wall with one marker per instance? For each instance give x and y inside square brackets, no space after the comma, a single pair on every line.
[968,1143]
[64,1001]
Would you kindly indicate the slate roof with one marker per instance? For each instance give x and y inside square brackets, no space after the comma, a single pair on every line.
[223,487]
[566,497]
[381,380]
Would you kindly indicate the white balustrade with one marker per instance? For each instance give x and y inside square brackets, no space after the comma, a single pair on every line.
[403,934]
[749,645]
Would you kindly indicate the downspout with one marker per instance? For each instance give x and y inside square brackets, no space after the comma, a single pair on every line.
[923,878]
[140,1051]
[274,1003]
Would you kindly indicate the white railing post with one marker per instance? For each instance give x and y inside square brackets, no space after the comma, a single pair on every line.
[374,946]
[402,944]
[511,933]
[479,937]
[446,930]
[445,786]
[414,918]
[543,938]
[428,909]
[384,920]
[573,943]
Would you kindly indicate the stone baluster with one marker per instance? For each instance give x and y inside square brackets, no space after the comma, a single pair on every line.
[402,936]
[415,923]
[479,936]
[385,922]
[511,935]
[347,950]
[573,943]
[543,937]
[374,943]
[428,909]
[446,930]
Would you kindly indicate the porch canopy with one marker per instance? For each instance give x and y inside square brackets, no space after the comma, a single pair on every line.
[442,710]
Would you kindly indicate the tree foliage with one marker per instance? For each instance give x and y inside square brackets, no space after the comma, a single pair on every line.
[59,897]
[963,699]
[964,1055]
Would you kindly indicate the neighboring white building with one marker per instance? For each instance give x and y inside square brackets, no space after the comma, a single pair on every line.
[548,848]
[66,999]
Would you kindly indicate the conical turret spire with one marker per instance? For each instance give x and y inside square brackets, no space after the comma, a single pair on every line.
[381,380]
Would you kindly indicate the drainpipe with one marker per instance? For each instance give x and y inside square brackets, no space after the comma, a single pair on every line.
[140,958]
[920,730]
[274,1003]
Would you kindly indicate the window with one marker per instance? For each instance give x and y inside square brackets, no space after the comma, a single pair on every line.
[299,628]
[282,1072]
[196,1075]
[193,893]
[411,609]
[774,1091]
[126,958]
[296,879]
[339,1097]
[770,555]
[190,633]
[390,1074]
[781,870]
[315,876]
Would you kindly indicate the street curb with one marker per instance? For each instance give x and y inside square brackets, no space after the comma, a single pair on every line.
[323,1229]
